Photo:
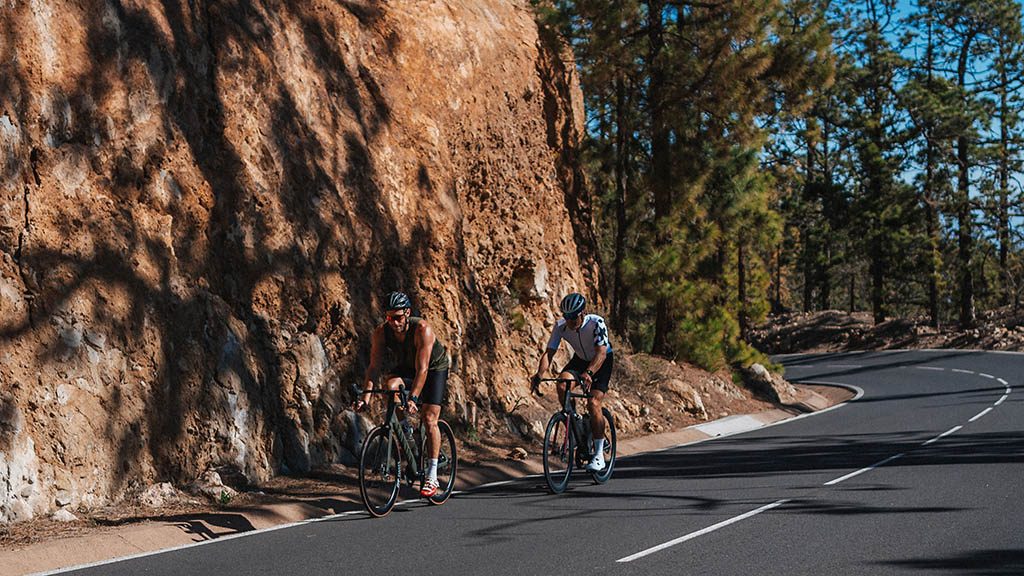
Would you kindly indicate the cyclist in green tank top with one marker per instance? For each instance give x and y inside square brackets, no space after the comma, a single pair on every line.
[420,362]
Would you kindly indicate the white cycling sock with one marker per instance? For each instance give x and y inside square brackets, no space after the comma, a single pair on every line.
[432,469]
[599,447]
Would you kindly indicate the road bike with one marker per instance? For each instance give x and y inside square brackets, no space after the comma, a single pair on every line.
[391,456]
[569,443]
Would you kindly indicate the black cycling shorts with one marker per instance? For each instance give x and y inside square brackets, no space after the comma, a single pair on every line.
[433,388]
[601,378]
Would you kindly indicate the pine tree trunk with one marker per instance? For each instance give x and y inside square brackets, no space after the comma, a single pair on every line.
[660,166]
[621,302]
[741,280]
[965,240]
[1003,226]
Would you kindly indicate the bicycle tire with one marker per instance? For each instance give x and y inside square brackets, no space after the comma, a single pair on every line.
[447,465]
[602,476]
[559,452]
[379,476]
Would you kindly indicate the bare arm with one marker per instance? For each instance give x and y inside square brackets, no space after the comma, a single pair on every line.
[545,361]
[373,370]
[599,356]
[424,346]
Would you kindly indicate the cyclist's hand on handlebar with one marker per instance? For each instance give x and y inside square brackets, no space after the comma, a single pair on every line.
[586,379]
[361,402]
[535,384]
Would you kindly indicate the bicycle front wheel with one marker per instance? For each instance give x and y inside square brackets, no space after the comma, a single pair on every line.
[447,465]
[379,467]
[559,447]
[602,476]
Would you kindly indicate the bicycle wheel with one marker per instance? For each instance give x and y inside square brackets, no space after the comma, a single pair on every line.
[602,476]
[447,465]
[559,449]
[378,471]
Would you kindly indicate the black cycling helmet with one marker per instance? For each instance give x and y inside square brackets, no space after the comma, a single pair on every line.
[572,305]
[397,301]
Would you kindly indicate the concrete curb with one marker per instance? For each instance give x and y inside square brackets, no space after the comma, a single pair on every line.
[163,534]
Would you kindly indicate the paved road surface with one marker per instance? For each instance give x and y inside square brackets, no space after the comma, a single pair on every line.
[923,474]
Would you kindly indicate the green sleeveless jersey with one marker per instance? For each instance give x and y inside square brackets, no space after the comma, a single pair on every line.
[404,353]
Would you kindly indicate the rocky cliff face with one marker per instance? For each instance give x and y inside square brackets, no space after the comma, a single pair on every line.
[202,203]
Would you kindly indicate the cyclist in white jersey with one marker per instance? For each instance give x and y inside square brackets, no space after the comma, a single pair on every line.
[591,362]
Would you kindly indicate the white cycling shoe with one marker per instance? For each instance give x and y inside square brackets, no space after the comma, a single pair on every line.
[596,463]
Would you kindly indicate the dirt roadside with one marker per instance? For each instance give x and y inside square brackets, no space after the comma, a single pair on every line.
[54,545]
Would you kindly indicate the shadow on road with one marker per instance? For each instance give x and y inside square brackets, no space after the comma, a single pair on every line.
[977,563]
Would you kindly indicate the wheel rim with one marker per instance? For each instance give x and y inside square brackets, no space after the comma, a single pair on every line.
[378,473]
[558,453]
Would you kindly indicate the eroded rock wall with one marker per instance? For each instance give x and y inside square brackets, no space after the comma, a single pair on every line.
[202,203]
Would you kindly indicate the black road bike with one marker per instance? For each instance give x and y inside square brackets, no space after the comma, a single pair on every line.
[391,456]
[569,443]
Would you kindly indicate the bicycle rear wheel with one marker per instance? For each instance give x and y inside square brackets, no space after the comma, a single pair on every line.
[602,476]
[559,448]
[379,467]
[447,465]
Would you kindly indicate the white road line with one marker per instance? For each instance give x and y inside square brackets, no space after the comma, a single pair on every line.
[862,470]
[943,435]
[844,365]
[1003,382]
[223,538]
[936,368]
[1000,401]
[702,532]
[980,414]
[983,375]
[959,371]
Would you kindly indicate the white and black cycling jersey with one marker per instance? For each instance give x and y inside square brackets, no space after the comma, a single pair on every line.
[584,342]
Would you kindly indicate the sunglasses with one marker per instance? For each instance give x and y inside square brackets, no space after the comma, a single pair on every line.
[396,316]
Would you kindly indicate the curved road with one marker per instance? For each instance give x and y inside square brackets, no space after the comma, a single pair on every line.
[922,474]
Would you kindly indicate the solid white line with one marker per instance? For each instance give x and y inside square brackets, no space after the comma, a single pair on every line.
[1000,401]
[959,371]
[980,414]
[983,375]
[943,435]
[844,365]
[702,532]
[1003,382]
[194,544]
[861,471]
[936,368]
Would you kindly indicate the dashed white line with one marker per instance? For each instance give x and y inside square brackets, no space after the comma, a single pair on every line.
[980,414]
[1000,401]
[959,371]
[935,368]
[862,470]
[844,365]
[943,435]
[983,375]
[702,532]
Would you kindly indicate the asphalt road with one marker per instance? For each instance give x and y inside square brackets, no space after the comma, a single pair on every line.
[922,474]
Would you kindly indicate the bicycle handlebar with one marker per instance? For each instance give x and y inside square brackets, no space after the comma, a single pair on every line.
[401,391]
[586,393]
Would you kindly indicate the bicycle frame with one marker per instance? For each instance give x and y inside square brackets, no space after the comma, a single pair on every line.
[569,409]
[410,450]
